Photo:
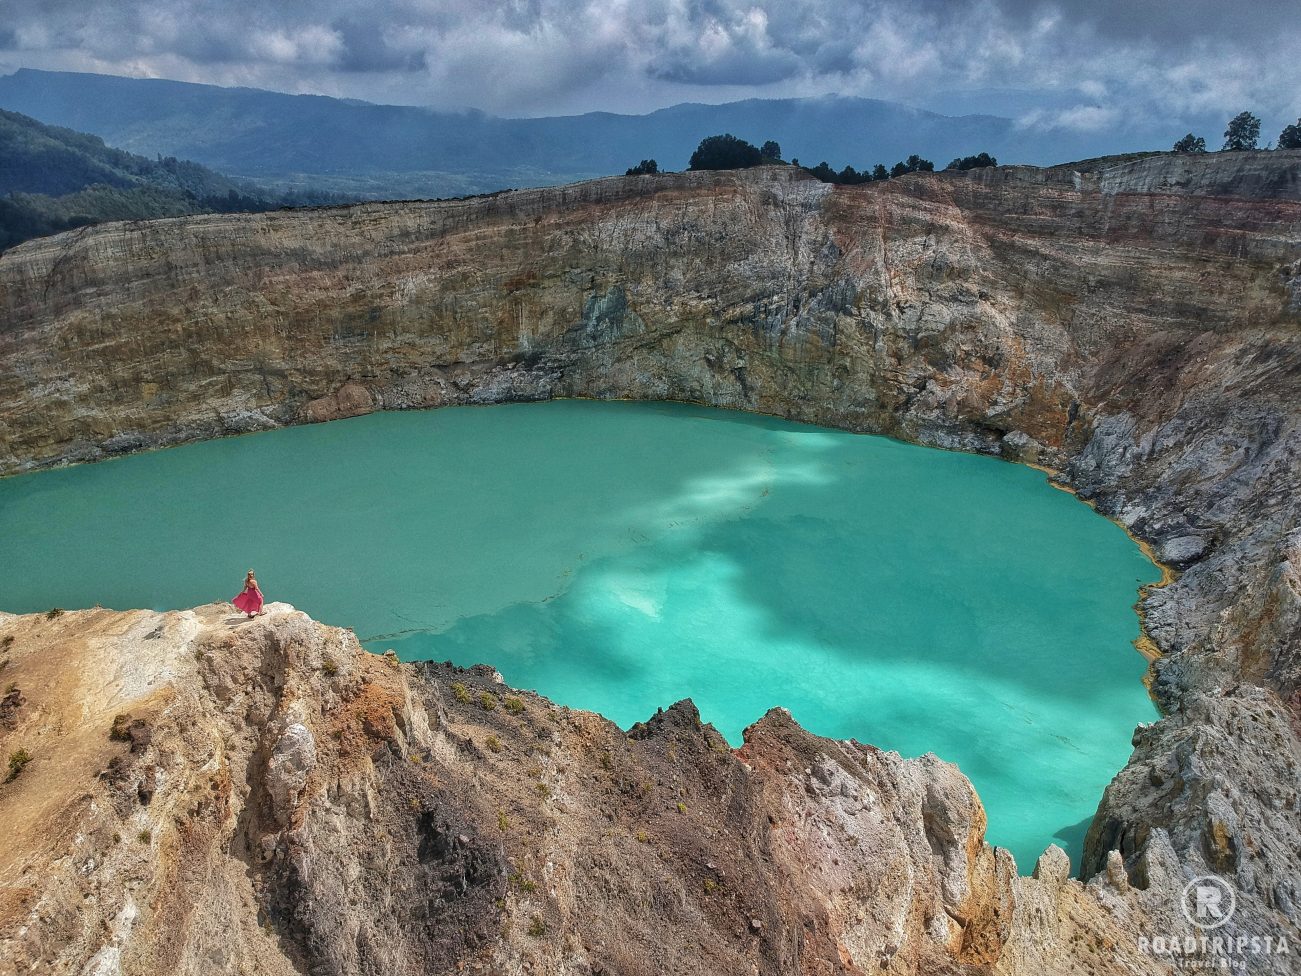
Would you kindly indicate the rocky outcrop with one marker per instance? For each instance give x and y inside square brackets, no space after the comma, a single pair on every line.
[207,794]
[1134,324]
[299,805]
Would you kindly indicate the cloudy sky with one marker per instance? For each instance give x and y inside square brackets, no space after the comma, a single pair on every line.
[1070,63]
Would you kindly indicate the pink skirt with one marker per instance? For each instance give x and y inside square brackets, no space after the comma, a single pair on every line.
[250,601]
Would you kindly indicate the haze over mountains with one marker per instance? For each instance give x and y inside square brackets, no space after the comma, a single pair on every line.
[365,150]
[54,179]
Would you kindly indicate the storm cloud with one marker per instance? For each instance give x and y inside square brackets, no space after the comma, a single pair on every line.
[1078,65]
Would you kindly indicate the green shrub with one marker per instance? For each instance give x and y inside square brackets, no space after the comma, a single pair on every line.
[1190,144]
[1290,137]
[725,152]
[978,161]
[514,705]
[520,882]
[18,760]
[461,692]
[487,701]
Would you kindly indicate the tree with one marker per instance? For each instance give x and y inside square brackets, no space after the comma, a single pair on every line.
[824,172]
[978,161]
[1290,137]
[1190,144]
[849,176]
[645,168]
[771,152]
[1242,133]
[879,172]
[913,164]
[725,152]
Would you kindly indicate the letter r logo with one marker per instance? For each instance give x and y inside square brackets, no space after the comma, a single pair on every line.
[1208,902]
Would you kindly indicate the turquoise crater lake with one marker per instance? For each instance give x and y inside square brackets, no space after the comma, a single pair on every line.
[622,556]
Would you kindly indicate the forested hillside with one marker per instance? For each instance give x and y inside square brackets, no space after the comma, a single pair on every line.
[54,179]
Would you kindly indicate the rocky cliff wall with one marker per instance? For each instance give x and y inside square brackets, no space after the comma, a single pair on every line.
[1135,325]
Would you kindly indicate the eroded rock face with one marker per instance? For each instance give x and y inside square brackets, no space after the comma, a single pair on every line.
[208,794]
[318,809]
[1135,326]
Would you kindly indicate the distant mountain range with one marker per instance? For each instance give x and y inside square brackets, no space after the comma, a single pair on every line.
[54,179]
[364,150]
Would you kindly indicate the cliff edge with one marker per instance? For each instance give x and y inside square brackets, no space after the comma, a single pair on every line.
[207,794]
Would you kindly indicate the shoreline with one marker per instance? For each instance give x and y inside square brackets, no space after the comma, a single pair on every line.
[1144,644]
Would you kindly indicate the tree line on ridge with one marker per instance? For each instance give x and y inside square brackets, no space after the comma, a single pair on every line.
[726,151]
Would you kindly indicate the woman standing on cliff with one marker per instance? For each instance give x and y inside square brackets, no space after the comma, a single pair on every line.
[250,601]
